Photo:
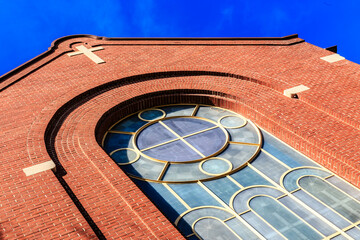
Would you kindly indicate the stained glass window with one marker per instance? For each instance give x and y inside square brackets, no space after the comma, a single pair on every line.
[215,175]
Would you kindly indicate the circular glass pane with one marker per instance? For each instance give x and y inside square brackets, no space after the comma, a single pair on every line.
[181,139]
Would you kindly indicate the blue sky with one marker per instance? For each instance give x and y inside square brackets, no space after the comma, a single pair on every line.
[29,26]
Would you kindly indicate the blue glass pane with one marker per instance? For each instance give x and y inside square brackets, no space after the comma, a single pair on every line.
[245,134]
[308,216]
[194,195]
[354,233]
[152,114]
[209,228]
[153,135]
[216,166]
[248,177]
[185,126]
[290,180]
[189,218]
[212,113]
[124,156]
[233,121]
[344,186]
[243,231]
[269,166]
[144,168]
[238,154]
[282,220]
[240,202]
[130,124]
[223,188]
[178,110]
[162,198]
[193,237]
[284,153]
[115,141]
[339,237]
[332,197]
[259,225]
[208,142]
[184,172]
[176,151]
[321,209]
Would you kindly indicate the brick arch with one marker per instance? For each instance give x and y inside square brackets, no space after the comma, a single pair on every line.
[74,130]
[64,124]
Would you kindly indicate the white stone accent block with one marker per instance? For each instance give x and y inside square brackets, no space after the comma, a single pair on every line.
[291,92]
[332,58]
[41,167]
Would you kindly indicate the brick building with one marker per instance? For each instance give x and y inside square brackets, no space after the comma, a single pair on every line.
[58,113]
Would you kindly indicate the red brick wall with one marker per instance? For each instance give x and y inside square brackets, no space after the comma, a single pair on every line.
[53,106]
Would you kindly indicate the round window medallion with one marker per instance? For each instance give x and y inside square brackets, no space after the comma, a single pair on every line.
[182,143]
[181,139]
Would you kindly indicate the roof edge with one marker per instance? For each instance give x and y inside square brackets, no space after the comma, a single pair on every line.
[55,44]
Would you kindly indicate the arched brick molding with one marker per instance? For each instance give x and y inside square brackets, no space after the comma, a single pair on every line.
[73,133]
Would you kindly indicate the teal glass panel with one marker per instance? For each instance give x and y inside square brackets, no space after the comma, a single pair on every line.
[162,198]
[321,209]
[282,219]
[290,180]
[115,141]
[124,156]
[241,229]
[244,134]
[332,197]
[130,124]
[212,113]
[224,188]
[152,114]
[178,110]
[339,237]
[240,201]
[248,177]
[354,233]
[189,218]
[287,155]
[194,195]
[184,172]
[269,167]
[212,229]
[344,186]
[232,121]
[261,227]
[307,216]
[238,154]
[216,166]
[144,168]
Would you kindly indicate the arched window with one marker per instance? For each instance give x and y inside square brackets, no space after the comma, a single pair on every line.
[215,175]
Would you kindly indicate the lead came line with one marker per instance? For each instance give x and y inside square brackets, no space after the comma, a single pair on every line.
[195,110]
[179,138]
[232,211]
[300,202]
[166,165]
[244,143]
[160,144]
[276,159]
[176,196]
[121,132]
[193,148]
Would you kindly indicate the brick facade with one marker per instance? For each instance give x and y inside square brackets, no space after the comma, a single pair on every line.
[57,107]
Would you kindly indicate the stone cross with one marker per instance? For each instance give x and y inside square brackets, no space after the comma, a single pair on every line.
[88,52]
